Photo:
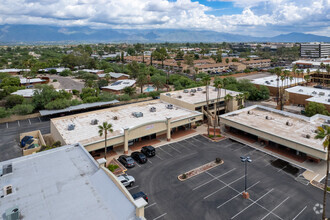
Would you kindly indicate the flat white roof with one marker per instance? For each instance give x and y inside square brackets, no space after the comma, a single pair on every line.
[272,81]
[28,81]
[300,125]
[120,84]
[86,133]
[318,95]
[199,96]
[311,62]
[63,182]
[92,70]
[27,93]
[113,75]
[14,70]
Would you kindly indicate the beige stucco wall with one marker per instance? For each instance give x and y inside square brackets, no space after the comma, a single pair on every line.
[272,137]
[56,134]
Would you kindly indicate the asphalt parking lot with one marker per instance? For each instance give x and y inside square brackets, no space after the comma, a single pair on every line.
[277,188]
[9,137]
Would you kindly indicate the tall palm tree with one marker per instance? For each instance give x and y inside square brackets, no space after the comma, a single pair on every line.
[278,73]
[228,97]
[206,80]
[324,134]
[282,91]
[294,69]
[104,129]
[218,83]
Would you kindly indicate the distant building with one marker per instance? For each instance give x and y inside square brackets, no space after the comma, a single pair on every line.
[92,71]
[315,50]
[257,63]
[64,183]
[30,83]
[58,70]
[118,86]
[14,71]
[115,76]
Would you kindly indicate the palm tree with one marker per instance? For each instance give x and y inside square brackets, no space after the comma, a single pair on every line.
[206,80]
[294,69]
[278,73]
[282,92]
[324,134]
[228,97]
[104,129]
[218,83]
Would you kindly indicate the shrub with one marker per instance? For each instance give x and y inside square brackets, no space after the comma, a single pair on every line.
[75,102]
[58,104]
[113,167]
[54,80]
[45,147]
[142,95]
[91,99]
[219,135]
[124,97]
[211,136]
[4,113]
[218,160]
[106,97]
[13,100]
[57,144]
[184,176]
[75,92]
[154,94]
[23,109]
[328,188]
[65,73]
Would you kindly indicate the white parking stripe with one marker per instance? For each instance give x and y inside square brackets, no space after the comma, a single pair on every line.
[29,121]
[174,149]
[160,216]
[149,161]
[165,152]
[275,208]
[159,157]
[251,204]
[18,123]
[223,187]
[183,146]
[237,195]
[148,206]
[239,148]
[133,187]
[137,164]
[282,168]
[7,124]
[213,179]
[299,213]
[39,119]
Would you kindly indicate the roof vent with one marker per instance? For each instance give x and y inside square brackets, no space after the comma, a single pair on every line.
[300,90]
[71,127]
[115,117]
[137,114]
[268,117]
[272,80]
[169,106]
[152,109]
[314,93]
[12,213]
[7,190]
[289,123]
[307,136]
[8,168]
[168,94]
[321,93]
[192,94]
[94,122]
[199,89]
[250,112]
[185,91]
[179,97]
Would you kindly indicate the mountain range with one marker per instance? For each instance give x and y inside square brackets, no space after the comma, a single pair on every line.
[16,34]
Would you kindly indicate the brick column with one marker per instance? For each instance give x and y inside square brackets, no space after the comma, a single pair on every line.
[125,140]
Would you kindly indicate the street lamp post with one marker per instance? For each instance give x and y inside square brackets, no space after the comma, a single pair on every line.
[245,160]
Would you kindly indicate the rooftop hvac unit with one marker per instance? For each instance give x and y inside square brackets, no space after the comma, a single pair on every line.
[12,213]
[185,91]
[300,90]
[288,123]
[193,90]
[71,127]
[137,114]
[272,80]
[94,122]
[321,93]
[314,93]
[152,109]
[327,121]
[115,118]
[199,89]
[192,94]
[7,190]
[328,100]
[250,112]
[307,136]
[329,95]
[168,94]
[169,106]
[8,168]
[179,97]
[268,117]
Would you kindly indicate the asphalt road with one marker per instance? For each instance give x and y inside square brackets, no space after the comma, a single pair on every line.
[277,189]
[67,82]
[9,138]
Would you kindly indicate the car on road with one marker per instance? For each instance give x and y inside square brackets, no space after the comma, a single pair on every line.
[140,194]
[126,180]
[27,140]
[127,161]
[149,151]
[139,157]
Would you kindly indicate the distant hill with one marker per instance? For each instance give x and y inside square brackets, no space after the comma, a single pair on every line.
[42,33]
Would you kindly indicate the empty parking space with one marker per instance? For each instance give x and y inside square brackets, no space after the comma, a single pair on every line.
[275,192]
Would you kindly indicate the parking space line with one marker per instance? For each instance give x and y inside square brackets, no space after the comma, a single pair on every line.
[213,179]
[149,161]
[159,157]
[299,213]
[148,206]
[133,187]
[275,208]
[237,195]
[192,144]
[174,149]
[282,168]
[261,157]
[18,123]
[137,164]
[239,148]
[251,204]
[29,121]
[39,119]
[7,124]
[165,152]
[183,146]
[222,187]
[160,216]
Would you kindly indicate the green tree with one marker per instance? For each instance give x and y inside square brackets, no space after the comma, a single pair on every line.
[13,100]
[23,109]
[159,81]
[227,60]
[313,108]
[104,129]
[4,113]
[102,83]
[324,135]
[66,73]
[141,81]
[129,90]
[43,95]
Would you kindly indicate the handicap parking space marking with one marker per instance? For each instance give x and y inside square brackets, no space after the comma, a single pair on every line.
[133,187]
[148,206]
[299,213]
[254,202]
[214,178]
[174,148]
[160,216]
[165,151]
[275,208]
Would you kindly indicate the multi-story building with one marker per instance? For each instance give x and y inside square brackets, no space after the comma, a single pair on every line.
[257,63]
[315,50]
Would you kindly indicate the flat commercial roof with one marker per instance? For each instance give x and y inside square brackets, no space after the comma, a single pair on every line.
[63,182]
[85,133]
[120,84]
[199,96]
[318,95]
[28,81]
[14,70]
[26,93]
[276,125]
[272,81]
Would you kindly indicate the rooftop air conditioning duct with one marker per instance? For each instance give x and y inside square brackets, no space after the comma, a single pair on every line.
[71,127]
[185,91]
[199,89]
[94,122]
[193,90]
[321,93]
[137,114]
[115,118]
[12,213]
[169,106]
[8,168]
[152,109]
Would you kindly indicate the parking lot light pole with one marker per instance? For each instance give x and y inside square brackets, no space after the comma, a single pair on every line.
[245,160]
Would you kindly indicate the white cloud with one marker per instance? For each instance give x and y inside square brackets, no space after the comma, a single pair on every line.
[258,16]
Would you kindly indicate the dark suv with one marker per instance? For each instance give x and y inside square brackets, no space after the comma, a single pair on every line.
[139,157]
[127,161]
[149,151]
[140,194]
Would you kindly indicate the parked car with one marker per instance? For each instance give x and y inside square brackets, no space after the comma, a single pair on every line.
[140,194]
[127,161]
[27,140]
[139,157]
[126,180]
[149,151]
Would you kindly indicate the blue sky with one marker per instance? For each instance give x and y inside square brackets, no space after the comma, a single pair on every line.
[249,17]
